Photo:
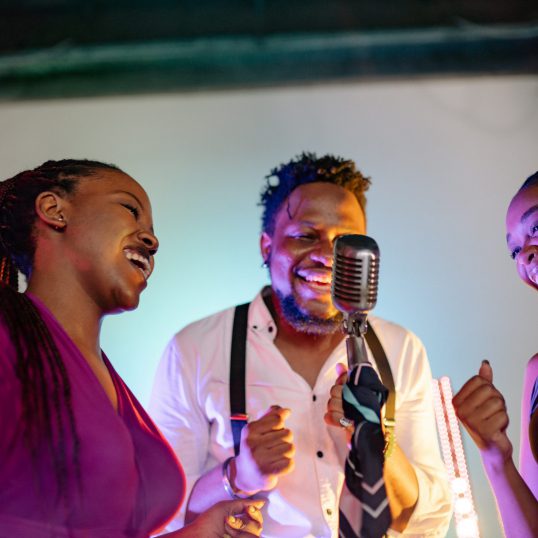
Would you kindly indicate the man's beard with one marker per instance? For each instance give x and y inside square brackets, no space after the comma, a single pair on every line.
[305,323]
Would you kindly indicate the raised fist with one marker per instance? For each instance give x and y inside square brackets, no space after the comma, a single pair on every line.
[266,452]
[482,411]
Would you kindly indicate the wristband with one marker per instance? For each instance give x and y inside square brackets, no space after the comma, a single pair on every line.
[228,488]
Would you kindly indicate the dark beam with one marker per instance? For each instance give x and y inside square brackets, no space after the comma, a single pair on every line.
[30,24]
[239,62]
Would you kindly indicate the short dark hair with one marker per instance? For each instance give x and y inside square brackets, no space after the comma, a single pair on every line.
[530,182]
[308,168]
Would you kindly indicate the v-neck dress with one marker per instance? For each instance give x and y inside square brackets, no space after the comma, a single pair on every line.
[131,482]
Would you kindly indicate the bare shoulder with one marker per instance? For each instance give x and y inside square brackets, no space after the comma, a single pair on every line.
[533,363]
[531,371]
[529,384]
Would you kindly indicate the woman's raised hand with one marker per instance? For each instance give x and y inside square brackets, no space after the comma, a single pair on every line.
[482,410]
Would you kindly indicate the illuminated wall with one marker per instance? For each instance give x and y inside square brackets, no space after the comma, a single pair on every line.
[445,157]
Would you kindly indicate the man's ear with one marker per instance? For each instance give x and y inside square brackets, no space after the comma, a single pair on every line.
[49,207]
[265,247]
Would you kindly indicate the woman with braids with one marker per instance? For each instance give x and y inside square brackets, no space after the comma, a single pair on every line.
[79,457]
[481,407]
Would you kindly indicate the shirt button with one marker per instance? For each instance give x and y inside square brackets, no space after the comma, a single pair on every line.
[314,397]
[319,454]
[329,512]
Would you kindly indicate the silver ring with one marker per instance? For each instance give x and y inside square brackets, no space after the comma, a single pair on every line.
[345,422]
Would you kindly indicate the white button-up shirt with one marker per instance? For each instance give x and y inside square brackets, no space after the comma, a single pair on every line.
[190,403]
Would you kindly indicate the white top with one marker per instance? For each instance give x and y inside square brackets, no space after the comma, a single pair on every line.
[190,403]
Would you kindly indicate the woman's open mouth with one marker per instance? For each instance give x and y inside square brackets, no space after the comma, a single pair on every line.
[139,261]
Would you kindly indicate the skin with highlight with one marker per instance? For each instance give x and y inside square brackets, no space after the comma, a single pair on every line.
[94,253]
[106,220]
[300,251]
[522,234]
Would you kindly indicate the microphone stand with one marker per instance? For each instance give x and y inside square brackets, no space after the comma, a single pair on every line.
[355,326]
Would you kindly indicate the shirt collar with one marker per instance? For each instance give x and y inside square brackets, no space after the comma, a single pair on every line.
[259,317]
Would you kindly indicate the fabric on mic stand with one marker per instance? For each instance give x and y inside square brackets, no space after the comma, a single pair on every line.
[363,503]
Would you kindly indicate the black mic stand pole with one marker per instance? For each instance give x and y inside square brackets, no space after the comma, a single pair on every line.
[355,326]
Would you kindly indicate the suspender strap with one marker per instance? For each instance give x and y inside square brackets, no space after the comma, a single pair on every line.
[238,414]
[386,378]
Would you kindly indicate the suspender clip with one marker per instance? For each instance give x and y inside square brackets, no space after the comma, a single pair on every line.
[389,423]
[243,417]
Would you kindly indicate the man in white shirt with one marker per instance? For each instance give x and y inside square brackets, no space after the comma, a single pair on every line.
[293,449]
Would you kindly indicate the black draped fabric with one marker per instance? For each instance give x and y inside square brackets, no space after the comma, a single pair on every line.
[364,508]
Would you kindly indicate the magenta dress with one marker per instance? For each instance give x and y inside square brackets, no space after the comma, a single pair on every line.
[132,483]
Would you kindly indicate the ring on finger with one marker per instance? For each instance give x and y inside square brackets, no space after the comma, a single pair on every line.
[345,422]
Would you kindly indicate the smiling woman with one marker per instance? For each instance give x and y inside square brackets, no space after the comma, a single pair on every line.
[522,228]
[481,407]
[75,437]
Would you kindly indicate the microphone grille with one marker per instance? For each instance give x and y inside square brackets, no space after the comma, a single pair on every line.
[355,274]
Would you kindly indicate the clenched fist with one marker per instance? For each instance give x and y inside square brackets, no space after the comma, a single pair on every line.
[266,452]
[482,411]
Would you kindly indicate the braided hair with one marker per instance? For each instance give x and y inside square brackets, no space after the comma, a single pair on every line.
[47,414]
[309,168]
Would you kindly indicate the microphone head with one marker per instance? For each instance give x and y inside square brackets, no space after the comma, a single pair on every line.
[355,274]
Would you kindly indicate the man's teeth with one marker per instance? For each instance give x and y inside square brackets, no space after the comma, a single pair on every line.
[144,266]
[318,279]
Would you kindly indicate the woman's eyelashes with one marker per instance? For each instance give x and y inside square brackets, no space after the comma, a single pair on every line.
[133,209]
[533,232]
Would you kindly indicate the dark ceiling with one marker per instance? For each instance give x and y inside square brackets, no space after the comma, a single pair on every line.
[60,48]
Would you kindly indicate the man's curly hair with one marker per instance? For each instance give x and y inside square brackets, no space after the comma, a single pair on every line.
[308,168]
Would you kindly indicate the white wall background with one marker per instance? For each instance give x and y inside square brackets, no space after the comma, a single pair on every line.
[445,156]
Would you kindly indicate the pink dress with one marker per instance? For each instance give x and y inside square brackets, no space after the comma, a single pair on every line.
[131,481]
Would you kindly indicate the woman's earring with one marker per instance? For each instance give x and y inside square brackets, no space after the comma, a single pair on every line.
[60,227]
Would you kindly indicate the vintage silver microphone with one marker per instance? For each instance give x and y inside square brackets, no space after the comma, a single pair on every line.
[355,277]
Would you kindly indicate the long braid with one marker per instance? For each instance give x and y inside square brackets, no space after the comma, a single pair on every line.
[45,387]
[8,272]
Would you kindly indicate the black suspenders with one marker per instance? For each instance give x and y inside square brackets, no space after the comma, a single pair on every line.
[238,416]
[385,372]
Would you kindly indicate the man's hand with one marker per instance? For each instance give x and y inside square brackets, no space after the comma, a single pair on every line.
[335,406]
[482,410]
[266,452]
